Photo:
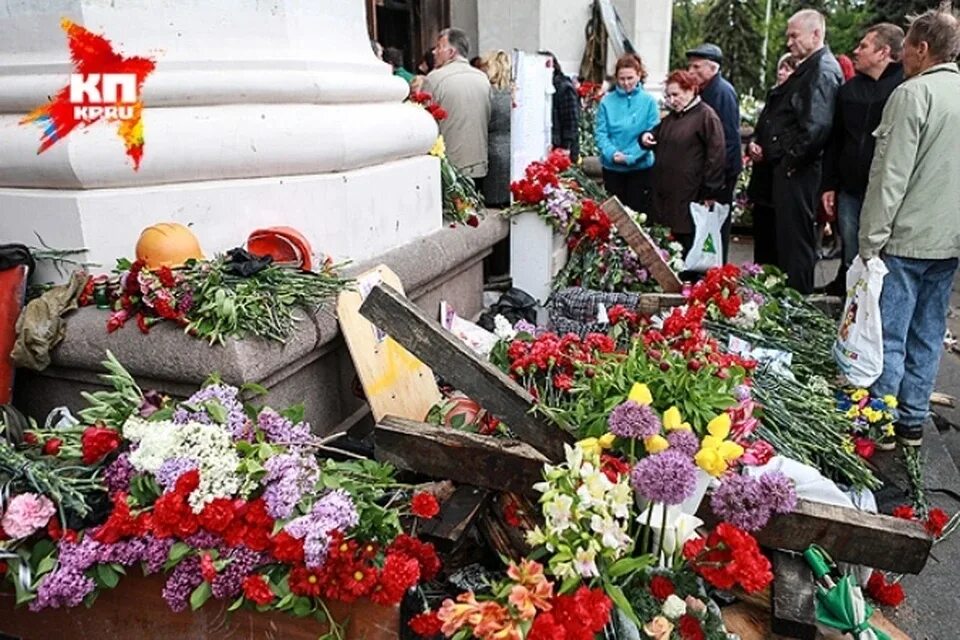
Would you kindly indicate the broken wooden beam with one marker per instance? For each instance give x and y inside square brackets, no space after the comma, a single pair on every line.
[467,458]
[463,369]
[456,514]
[794,613]
[508,540]
[848,535]
[643,245]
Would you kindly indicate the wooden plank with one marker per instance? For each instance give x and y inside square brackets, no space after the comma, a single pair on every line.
[751,622]
[848,535]
[456,514]
[468,458]
[463,369]
[654,303]
[794,613]
[507,540]
[136,609]
[643,245]
[394,381]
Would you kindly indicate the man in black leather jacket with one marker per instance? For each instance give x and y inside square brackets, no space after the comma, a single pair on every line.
[801,116]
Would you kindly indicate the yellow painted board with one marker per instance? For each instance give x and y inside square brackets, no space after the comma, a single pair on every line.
[395,382]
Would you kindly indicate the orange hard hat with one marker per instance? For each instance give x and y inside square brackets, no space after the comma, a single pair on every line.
[167,244]
[285,245]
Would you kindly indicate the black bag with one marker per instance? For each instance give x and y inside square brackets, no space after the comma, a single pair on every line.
[514,305]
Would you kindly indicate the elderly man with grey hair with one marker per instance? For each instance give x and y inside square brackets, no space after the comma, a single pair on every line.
[799,120]
[911,216]
[464,93]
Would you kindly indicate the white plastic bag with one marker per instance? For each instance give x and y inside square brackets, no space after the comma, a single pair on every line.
[858,349]
[707,249]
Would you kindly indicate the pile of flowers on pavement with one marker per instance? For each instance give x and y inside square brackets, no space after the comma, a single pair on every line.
[230,502]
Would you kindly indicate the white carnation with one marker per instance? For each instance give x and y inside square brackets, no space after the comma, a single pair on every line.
[673,607]
[503,329]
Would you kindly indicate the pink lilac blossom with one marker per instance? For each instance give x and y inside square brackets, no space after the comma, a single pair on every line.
[184,578]
[119,473]
[26,513]
[632,420]
[171,470]
[228,397]
[334,511]
[62,588]
[668,477]
[155,554]
[288,476]
[241,562]
[279,430]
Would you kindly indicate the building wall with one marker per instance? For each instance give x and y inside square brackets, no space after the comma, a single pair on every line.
[463,15]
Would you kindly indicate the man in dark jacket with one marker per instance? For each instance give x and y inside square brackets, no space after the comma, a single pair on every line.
[704,62]
[801,115]
[846,161]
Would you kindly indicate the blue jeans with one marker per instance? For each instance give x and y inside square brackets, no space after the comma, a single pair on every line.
[913,306]
[848,223]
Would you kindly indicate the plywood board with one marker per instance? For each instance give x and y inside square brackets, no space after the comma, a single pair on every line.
[643,245]
[395,382]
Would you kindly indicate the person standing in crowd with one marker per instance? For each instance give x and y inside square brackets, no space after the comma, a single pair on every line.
[704,62]
[846,161]
[464,93]
[910,216]
[760,189]
[691,157]
[797,128]
[565,132]
[394,57]
[624,114]
[496,186]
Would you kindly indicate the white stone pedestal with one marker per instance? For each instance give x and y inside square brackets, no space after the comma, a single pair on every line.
[257,114]
[537,254]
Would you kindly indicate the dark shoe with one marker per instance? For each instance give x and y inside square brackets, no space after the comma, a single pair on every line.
[886,443]
[909,435]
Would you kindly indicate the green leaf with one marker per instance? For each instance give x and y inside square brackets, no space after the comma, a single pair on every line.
[178,552]
[200,595]
[616,594]
[294,414]
[107,576]
[253,388]
[569,583]
[236,604]
[302,607]
[216,411]
[46,565]
[624,566]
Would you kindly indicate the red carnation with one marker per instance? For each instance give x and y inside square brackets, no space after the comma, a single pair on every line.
[690,628]
[217,515]
[426,624]
[661,587]
[257,589]
[207,570]
[97,442]
[904,512]
[286,548]
[121,523]
[546,627]
[936,521]
[865,447]
[187,483]
[885,593]
[52,446]
[424,505]
[400,572]
[423,552]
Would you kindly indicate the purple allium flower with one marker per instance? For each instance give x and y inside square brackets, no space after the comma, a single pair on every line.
[171,470]
[119,473]
[668,477]
[684,441]
[155,554]
[228,397]
[183,580]
[65,587]
[242,562]
[740,501]
[278,429]
[741,392]
[289,476]
[779,491]
[632,420]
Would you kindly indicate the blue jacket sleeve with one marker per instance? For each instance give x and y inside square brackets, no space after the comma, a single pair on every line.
[604,143]
[651,118]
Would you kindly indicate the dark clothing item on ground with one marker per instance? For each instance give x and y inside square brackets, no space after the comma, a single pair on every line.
[566,116]
[496,184]
[860,102]
[632,187]
[722,98]
[689,166]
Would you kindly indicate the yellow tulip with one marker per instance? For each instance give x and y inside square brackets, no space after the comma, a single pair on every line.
[655,444]
[711,442]
[606,440]
[595,446]
[640,393]
[729,451]
[672,420]
[711,461]
[720,426]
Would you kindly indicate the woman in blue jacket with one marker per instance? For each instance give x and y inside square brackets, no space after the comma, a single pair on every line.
[625,113]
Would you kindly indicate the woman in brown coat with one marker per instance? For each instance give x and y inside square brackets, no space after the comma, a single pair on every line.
[690,157]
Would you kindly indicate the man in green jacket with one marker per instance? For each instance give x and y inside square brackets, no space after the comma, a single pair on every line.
[911,216]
